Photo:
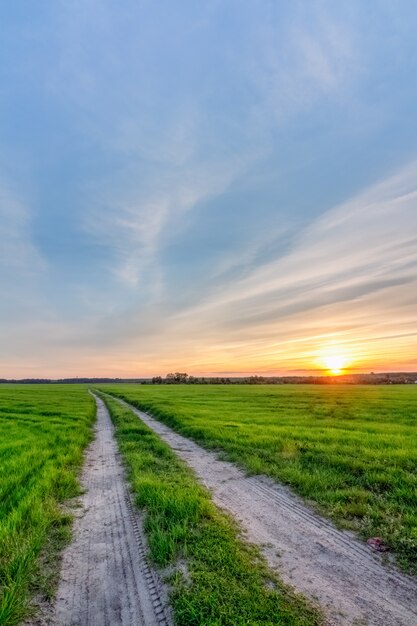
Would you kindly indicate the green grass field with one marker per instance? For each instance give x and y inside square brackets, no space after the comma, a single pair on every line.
[43,432]
[350,450]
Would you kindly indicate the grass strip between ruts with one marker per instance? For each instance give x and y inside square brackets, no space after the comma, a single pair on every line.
[224,581]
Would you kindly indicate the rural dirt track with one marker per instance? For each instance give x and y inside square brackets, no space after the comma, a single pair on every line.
[330,567]
[105,579]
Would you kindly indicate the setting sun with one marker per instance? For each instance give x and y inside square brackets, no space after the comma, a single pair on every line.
[334,359]
[335,364]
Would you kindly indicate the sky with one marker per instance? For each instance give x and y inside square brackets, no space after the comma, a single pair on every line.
[223,188]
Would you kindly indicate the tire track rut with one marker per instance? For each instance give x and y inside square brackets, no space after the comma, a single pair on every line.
[105,577]
[332,568]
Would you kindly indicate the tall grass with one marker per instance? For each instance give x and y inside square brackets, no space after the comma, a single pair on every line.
[351,450]
[43,431]
[216,579]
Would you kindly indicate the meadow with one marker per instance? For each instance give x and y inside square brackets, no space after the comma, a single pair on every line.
[350,451]
[43,432]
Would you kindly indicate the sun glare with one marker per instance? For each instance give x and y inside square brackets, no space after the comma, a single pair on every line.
[334,360]
[335,364]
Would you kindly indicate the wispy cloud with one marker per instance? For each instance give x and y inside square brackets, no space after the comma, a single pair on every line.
[167,161]
[351,276]
[132,221]
[313,55]
[18,253]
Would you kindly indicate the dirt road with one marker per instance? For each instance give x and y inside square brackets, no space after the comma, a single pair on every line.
[336,571]
[105,580]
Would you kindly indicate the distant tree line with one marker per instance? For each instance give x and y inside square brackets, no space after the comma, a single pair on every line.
[181,378]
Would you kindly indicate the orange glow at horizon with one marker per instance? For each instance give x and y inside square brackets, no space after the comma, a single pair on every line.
[312,347]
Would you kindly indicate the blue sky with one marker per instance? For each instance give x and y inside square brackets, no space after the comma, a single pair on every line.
[217,187]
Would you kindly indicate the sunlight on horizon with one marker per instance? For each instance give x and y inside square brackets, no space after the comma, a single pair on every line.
[335,360]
